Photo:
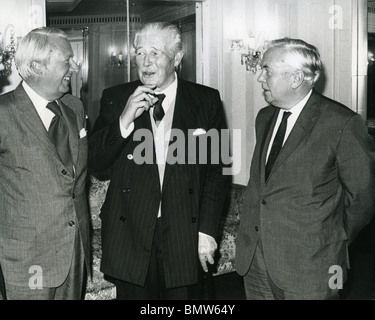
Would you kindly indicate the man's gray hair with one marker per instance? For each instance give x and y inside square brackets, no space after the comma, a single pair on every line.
[304,56]
[36,46]
[169,32]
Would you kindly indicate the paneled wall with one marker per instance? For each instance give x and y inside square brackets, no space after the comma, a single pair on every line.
[103,38]
[338,28]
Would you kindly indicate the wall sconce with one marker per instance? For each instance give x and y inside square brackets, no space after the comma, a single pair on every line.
[249,56]
[7,55]
[117,60]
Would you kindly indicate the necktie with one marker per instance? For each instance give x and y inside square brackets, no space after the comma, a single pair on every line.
[158,109]
[277,143]
[59,134]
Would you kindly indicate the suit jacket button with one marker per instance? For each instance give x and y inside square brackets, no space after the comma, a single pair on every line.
[71,223]
[122,218]
[194,220]
[73,195]
[64,172]
[256,228]
[130,157]
[126,190]
[264,202]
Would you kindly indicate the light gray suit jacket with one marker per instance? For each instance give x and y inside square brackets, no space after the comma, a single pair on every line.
[319,195]
[41,203]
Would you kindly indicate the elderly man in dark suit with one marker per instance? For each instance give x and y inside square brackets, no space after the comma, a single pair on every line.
[162,210]
[312,183]
[44,221]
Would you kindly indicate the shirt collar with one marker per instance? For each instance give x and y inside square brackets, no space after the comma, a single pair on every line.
[299,106]
[170,93]
[39,102]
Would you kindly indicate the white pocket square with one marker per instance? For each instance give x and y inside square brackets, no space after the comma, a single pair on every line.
[82,133]
[199,131]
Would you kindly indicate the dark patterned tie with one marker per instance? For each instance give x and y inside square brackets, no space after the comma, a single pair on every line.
[158,108]
[59,134]
[277,144]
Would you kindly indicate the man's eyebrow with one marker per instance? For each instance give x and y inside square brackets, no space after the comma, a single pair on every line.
[152,48]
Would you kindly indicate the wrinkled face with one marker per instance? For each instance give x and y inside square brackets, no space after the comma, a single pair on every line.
[55,80]
[276,78]
[154,66]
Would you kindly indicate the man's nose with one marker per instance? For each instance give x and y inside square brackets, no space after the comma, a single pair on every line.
[261,77]
[148,60]
[74,66]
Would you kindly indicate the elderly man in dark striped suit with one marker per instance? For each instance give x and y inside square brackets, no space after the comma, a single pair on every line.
[161,216]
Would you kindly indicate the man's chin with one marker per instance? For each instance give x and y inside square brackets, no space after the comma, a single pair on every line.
[148,82]
[267,97]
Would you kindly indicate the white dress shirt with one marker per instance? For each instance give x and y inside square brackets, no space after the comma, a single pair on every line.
[292,119]
[162,130]
[40,105]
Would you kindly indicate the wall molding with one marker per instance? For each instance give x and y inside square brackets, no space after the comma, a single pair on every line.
[57,21]
[371,17]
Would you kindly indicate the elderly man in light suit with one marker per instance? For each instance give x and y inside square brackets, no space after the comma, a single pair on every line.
[306,202]
[44,221]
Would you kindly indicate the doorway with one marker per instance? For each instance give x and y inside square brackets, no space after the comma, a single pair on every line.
[371,66]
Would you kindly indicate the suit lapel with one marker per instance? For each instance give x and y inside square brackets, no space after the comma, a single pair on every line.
[29,116]
[184,118]
[302,127]
[70,119]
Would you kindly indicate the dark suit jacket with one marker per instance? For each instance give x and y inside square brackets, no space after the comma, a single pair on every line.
[38,195]
[319,195]
[192,194]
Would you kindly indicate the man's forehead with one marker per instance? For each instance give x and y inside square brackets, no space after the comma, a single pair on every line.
[151,40]
[276,57]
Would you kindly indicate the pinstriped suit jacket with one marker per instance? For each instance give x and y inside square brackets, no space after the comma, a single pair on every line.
[38,196]
[192,195]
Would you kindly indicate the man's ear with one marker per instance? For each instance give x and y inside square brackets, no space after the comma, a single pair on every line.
[37,67]
[316,78]
[298,79]
[177,58]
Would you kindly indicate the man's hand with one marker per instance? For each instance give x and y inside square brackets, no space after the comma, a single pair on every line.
[206,250]
[141,100]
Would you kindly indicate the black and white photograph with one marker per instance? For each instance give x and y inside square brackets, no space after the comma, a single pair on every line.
[188,156]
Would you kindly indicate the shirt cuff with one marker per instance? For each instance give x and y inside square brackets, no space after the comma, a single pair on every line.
[126,132]
[207,236]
